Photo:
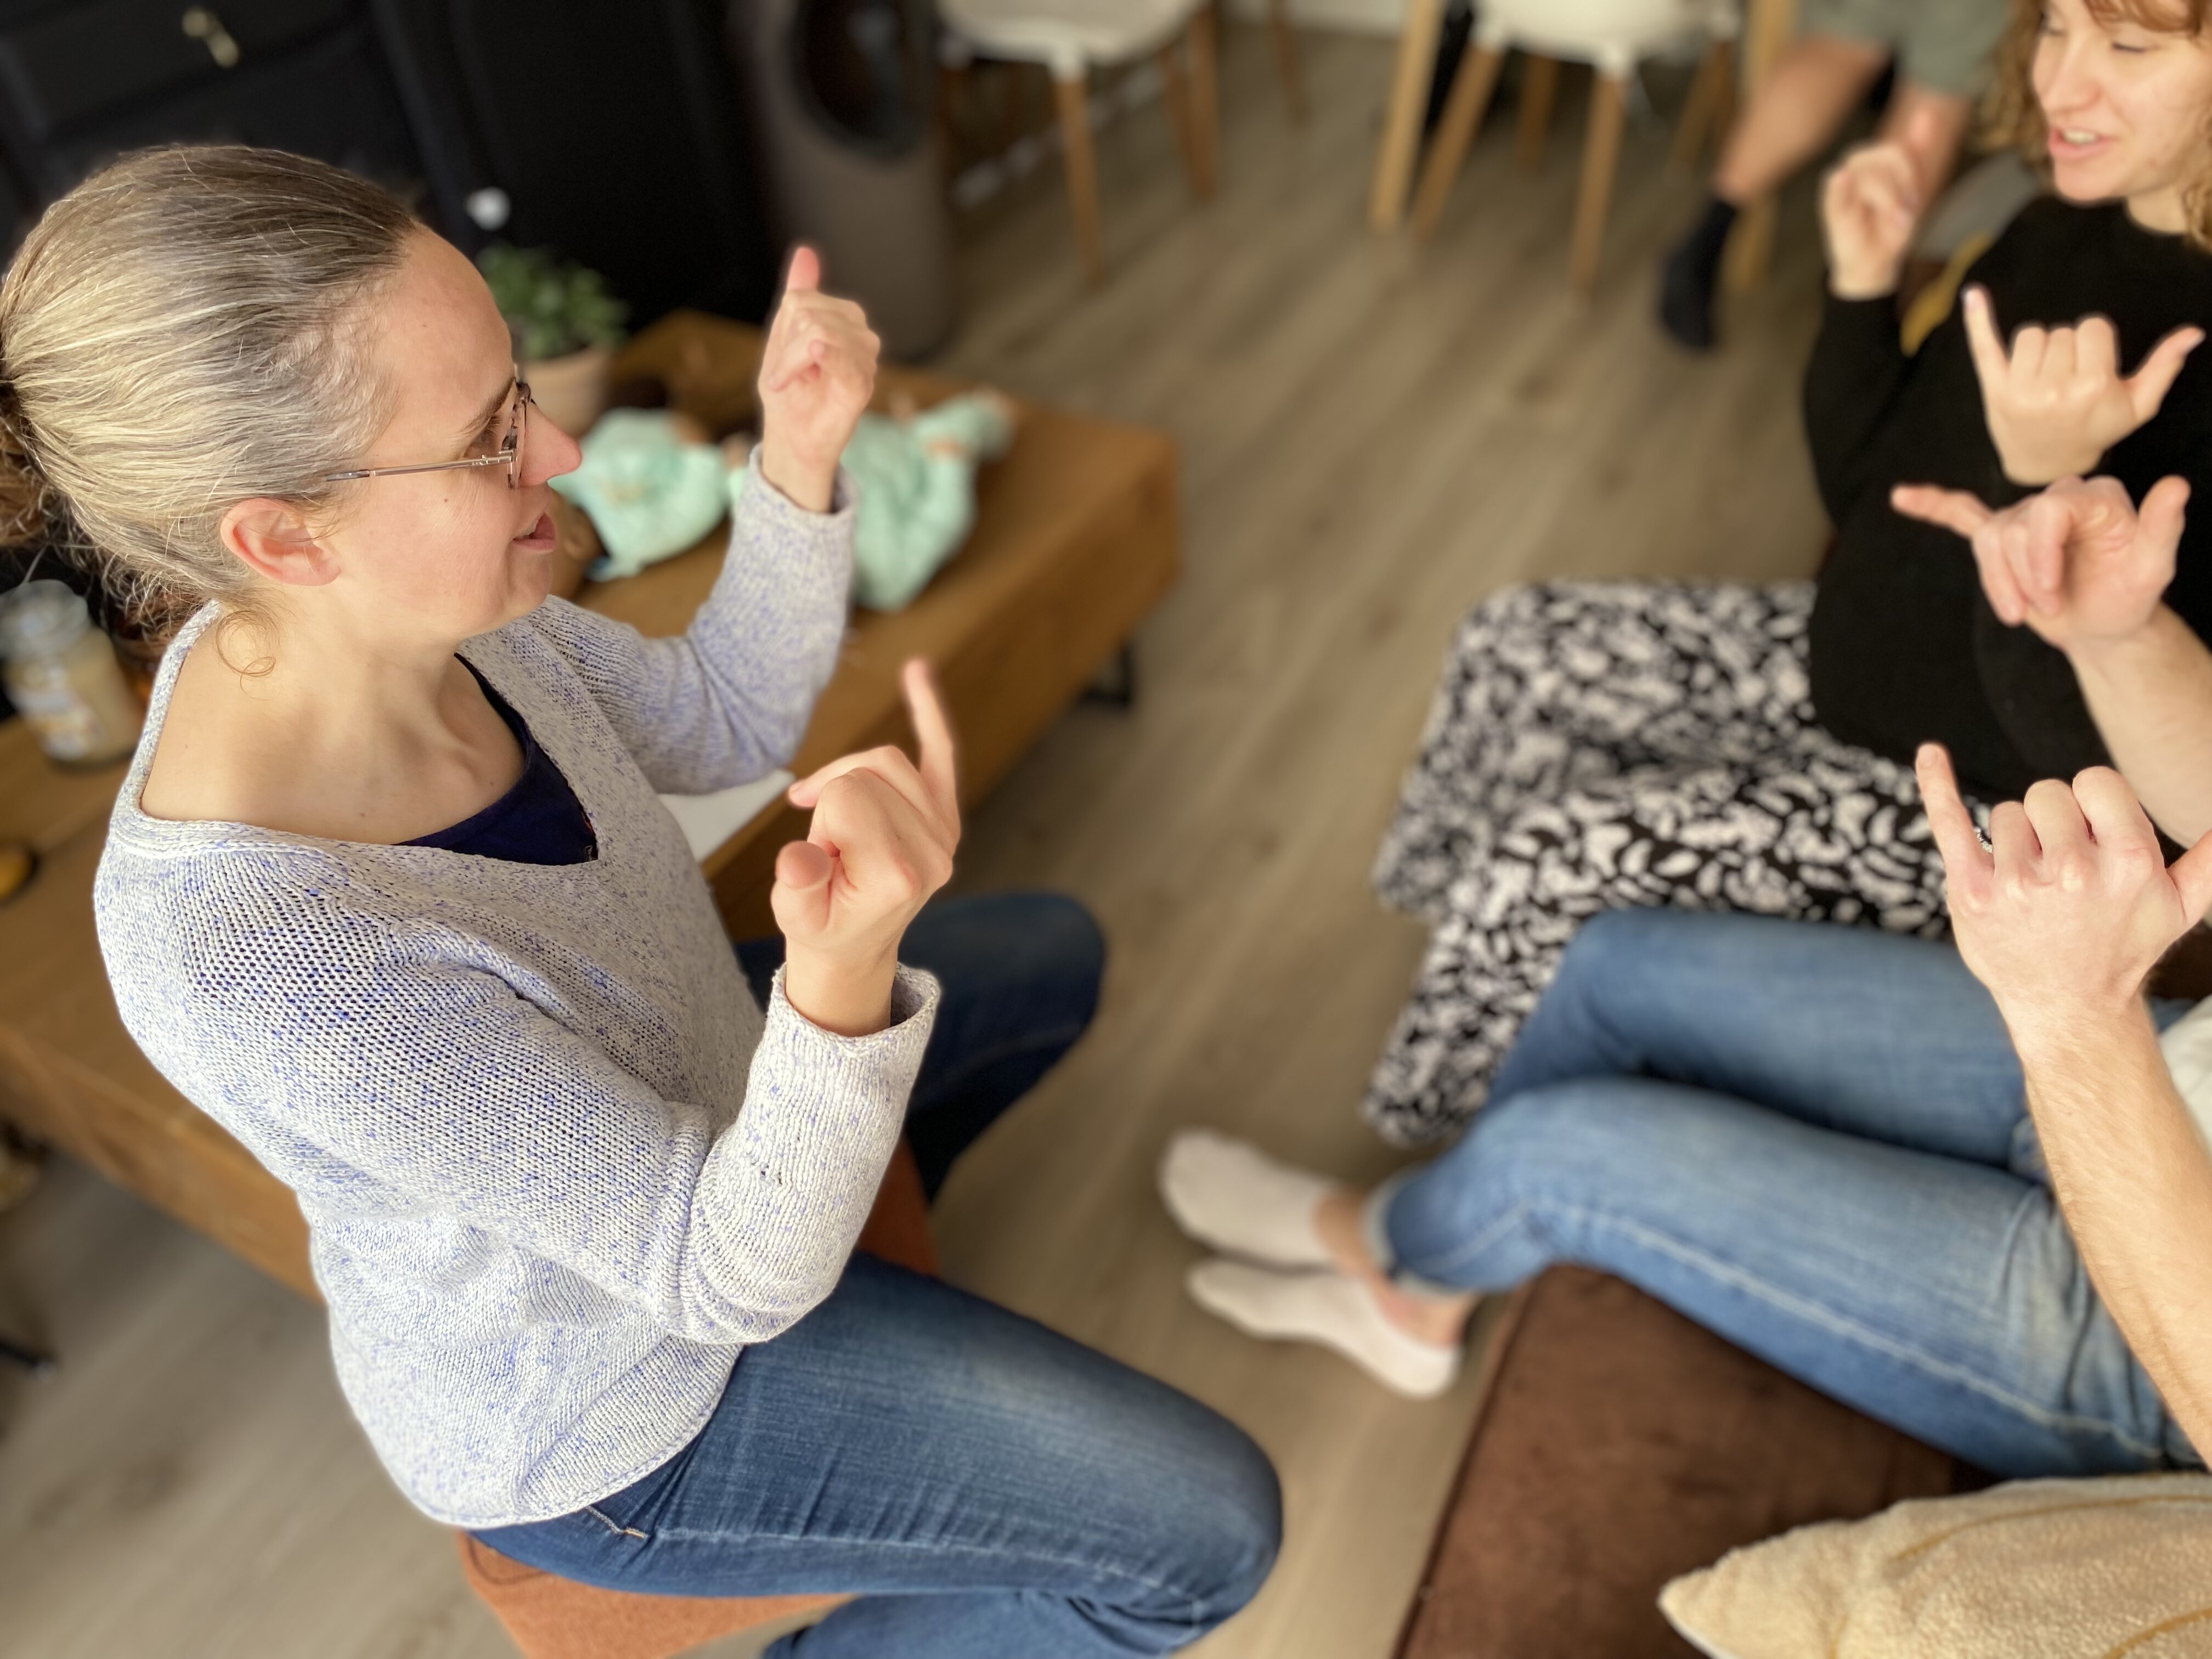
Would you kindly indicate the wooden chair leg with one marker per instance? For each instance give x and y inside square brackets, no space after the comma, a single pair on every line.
[952,89]
[1082,167]
[1724,104]
[1402,123]
[1601,153]
[1013,112]
[1710,107]
[1174,93]
[1539,90]
[1768,28]
[1286,59]
[1205,101]
[1471,91]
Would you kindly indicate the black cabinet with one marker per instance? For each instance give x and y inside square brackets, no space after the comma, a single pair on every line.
[612,131]
[80,83]
[609,130]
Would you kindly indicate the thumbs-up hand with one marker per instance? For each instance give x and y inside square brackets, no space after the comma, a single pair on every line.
[2063,914]
[1869,207]
[2056,402]
[817,373]
[1871,204]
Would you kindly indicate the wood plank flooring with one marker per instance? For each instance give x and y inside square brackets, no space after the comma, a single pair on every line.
[1373,437]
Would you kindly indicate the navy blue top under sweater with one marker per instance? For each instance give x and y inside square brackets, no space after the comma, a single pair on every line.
[539,821]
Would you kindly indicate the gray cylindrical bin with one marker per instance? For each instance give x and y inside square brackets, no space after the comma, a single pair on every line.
[842,103]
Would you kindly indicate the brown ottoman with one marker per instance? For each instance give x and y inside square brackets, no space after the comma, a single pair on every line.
[552,1617]
[1618,1445]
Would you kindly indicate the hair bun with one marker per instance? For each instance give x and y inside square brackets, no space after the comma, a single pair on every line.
[26,503]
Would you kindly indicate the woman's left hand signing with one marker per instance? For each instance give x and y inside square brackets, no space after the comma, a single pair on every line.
[2056,402]
[817,373]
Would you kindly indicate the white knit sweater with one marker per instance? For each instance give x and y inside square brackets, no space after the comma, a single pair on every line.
[557,1168]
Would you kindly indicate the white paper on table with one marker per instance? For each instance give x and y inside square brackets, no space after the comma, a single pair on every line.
[707,821]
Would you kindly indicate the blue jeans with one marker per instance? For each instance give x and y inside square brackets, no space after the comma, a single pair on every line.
[1814,1141]
[990,1489]
[1019,972]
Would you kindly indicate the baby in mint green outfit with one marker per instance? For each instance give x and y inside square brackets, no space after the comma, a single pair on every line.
[653,491]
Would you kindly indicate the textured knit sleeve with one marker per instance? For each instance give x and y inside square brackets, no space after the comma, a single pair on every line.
[1857,370]
[728,701]
[397,1080]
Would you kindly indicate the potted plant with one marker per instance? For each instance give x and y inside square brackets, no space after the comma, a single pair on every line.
[566,326]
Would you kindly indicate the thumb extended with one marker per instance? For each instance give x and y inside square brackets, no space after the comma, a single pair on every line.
[804,274]
[2147,387]
[1924,131]
[2164,510]
[800,898]
[2192,878]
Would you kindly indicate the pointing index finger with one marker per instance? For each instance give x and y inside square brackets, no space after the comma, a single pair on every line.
[1953,509]
[933,731]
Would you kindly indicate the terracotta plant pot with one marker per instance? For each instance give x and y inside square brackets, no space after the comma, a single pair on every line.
[571,392]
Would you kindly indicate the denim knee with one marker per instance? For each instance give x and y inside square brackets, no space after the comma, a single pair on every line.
[1250,1520]
[1612,942]
[1231,1519]
[1067,937]
[1473,1219]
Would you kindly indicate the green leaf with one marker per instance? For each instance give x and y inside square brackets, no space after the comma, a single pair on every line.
[553,306]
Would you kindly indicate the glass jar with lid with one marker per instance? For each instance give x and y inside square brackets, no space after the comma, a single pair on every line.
[62,675]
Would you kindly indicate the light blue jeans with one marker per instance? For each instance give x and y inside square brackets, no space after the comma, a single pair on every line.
[990,1490]
[1814,1141]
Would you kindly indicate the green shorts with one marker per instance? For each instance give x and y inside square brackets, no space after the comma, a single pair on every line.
[1944,44]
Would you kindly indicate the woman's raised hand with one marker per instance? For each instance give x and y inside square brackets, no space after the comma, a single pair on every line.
[817,373]
[2056,402]
[882,841]
[2077,562]
[1869,207]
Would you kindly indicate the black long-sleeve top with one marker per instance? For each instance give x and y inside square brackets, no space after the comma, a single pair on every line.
[1904,647]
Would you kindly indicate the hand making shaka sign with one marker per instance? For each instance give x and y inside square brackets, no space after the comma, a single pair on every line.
[2056,401]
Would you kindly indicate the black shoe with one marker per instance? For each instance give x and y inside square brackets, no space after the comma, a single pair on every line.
[1692,273]
[1686,298]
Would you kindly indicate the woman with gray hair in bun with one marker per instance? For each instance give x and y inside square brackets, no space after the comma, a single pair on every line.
[389,893]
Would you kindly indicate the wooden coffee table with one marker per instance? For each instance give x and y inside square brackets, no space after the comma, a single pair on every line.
[1076,540]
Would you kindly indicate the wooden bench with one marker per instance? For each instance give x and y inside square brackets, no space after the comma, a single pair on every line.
[1076,540]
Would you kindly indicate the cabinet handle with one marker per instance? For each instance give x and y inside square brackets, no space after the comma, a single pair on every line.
[204,27]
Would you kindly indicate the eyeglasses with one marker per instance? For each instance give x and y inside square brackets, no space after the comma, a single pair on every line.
[509,453]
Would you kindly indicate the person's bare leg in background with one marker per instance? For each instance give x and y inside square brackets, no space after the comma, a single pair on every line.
[1796,115]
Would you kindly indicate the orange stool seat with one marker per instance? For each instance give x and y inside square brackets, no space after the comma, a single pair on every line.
[553,1618]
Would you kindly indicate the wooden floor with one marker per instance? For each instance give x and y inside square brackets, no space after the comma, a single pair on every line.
[1373,438]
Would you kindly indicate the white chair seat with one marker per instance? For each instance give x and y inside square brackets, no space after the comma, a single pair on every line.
[1068,36]
[1071,38]
[1614,34]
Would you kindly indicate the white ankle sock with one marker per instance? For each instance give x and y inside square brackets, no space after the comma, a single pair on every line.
[1329,1309]
[1230,1195]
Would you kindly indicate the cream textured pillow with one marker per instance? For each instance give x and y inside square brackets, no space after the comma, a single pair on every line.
[2036,1570]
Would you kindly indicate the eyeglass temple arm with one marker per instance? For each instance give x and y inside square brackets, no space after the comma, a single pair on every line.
[500,459]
